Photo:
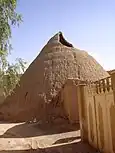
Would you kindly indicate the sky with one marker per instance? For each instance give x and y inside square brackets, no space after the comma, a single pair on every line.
[87,24]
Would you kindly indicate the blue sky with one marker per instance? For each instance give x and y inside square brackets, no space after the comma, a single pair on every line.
[87,24]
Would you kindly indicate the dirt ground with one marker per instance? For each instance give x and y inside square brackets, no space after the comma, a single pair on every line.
[34,137]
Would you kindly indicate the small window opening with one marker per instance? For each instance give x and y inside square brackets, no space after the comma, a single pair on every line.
[63,41]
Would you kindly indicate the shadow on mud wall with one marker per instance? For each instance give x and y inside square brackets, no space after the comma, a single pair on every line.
[78,147]
[31,130]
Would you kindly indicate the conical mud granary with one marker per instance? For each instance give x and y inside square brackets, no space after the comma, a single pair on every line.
[36,96]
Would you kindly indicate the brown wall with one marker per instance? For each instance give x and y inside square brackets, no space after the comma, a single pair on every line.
[99,106]
[2,97]
[69,95]
[64,106]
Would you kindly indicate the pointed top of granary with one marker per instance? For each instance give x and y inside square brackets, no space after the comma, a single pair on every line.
[59,38]
[46,75]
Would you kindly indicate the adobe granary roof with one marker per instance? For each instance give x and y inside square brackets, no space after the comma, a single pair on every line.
[45,76]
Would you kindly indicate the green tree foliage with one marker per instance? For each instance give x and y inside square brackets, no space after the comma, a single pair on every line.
[8,18]
[9,73]
[12,76]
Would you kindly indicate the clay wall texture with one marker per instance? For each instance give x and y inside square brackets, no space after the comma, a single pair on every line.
[97,115]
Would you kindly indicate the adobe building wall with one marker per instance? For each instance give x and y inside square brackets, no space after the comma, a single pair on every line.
[2,97]
[69,95]
[64,107]
[99,107]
